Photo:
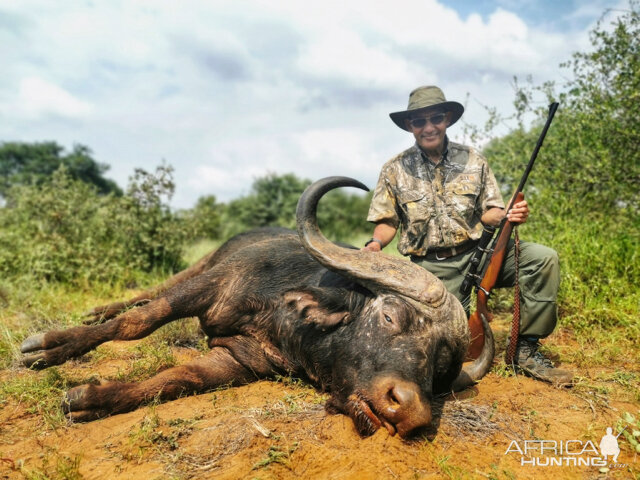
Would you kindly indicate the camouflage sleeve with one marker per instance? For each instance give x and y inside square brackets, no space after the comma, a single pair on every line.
[383,202]
[490,196]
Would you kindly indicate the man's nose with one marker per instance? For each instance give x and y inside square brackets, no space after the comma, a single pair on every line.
[429,128]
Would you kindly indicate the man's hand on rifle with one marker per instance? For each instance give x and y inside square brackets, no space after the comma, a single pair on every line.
[519,213]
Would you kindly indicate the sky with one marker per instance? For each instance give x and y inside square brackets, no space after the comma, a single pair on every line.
[230,91]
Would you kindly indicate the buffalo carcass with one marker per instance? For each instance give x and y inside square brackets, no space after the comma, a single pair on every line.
[380,334]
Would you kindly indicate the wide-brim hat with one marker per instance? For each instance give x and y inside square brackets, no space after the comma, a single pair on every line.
[426,98]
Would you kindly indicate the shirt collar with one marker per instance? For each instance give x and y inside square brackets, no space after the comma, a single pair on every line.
[445,153]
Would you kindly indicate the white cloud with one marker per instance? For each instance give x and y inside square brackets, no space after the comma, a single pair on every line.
[37,97]
[343,55]
[228,91]
[214,179]
[337,145]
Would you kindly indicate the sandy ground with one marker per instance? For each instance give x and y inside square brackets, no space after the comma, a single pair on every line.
[270,430]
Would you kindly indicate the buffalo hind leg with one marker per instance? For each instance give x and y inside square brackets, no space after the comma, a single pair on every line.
[106,312]
[58,346]
[90,402]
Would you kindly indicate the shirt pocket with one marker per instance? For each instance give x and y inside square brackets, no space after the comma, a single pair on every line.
[463,194]
[415,206]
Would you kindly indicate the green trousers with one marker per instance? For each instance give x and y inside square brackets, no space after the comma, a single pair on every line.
[539,278]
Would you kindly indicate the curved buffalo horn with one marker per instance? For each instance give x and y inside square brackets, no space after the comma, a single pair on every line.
[375,270]
[481,365]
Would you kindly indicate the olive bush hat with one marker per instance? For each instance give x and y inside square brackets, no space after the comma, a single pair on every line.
[423,98]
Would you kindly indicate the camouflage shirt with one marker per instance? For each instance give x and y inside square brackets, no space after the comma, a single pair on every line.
[435,206]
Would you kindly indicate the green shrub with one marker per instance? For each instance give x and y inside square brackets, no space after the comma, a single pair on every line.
[62,230]
[205,219]
[343,215]
[273,200]
[600,269]
[583,190]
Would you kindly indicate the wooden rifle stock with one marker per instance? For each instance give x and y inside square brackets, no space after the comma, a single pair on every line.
[488,282]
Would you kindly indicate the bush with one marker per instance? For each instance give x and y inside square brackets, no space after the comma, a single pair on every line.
[600,270]
[342,215]
[64,231]
[584,187]
[205,219]
[273,200]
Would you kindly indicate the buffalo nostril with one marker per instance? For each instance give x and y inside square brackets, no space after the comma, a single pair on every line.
[401,404]
[401,395]
[400,399]
[391,397]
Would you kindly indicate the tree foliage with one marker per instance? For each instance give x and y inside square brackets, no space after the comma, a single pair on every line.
[34,163]
[584,187]
[273,200]
[590,162]
[205,218]
[64,230]
[343,215]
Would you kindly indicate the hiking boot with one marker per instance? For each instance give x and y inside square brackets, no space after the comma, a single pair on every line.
[533,363]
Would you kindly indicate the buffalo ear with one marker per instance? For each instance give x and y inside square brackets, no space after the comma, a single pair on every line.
[322,307]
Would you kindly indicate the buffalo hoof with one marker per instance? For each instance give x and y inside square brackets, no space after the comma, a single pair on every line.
[55,347]
[44,352]
[100,315]
[33,343]
[78,406]
[35,362]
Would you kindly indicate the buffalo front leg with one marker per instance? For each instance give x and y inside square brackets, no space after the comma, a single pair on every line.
[106,312]
[218,367]
[58,346]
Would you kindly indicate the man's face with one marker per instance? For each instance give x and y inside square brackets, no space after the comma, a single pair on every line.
[429,129]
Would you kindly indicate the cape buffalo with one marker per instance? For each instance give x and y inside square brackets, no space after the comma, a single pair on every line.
[380,334]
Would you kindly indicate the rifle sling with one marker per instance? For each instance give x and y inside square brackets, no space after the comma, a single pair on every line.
[515,323]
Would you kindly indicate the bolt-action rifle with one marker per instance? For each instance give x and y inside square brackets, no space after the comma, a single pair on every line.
[494,256]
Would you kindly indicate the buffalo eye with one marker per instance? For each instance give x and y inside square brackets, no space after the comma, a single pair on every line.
[389,322]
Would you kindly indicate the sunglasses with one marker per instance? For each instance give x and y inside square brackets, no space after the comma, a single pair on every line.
[422,121]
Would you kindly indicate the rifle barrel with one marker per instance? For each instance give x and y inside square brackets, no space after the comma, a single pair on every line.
[552,111]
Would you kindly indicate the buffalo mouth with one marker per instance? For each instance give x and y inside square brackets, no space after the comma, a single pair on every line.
[392,403]
[365,417]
